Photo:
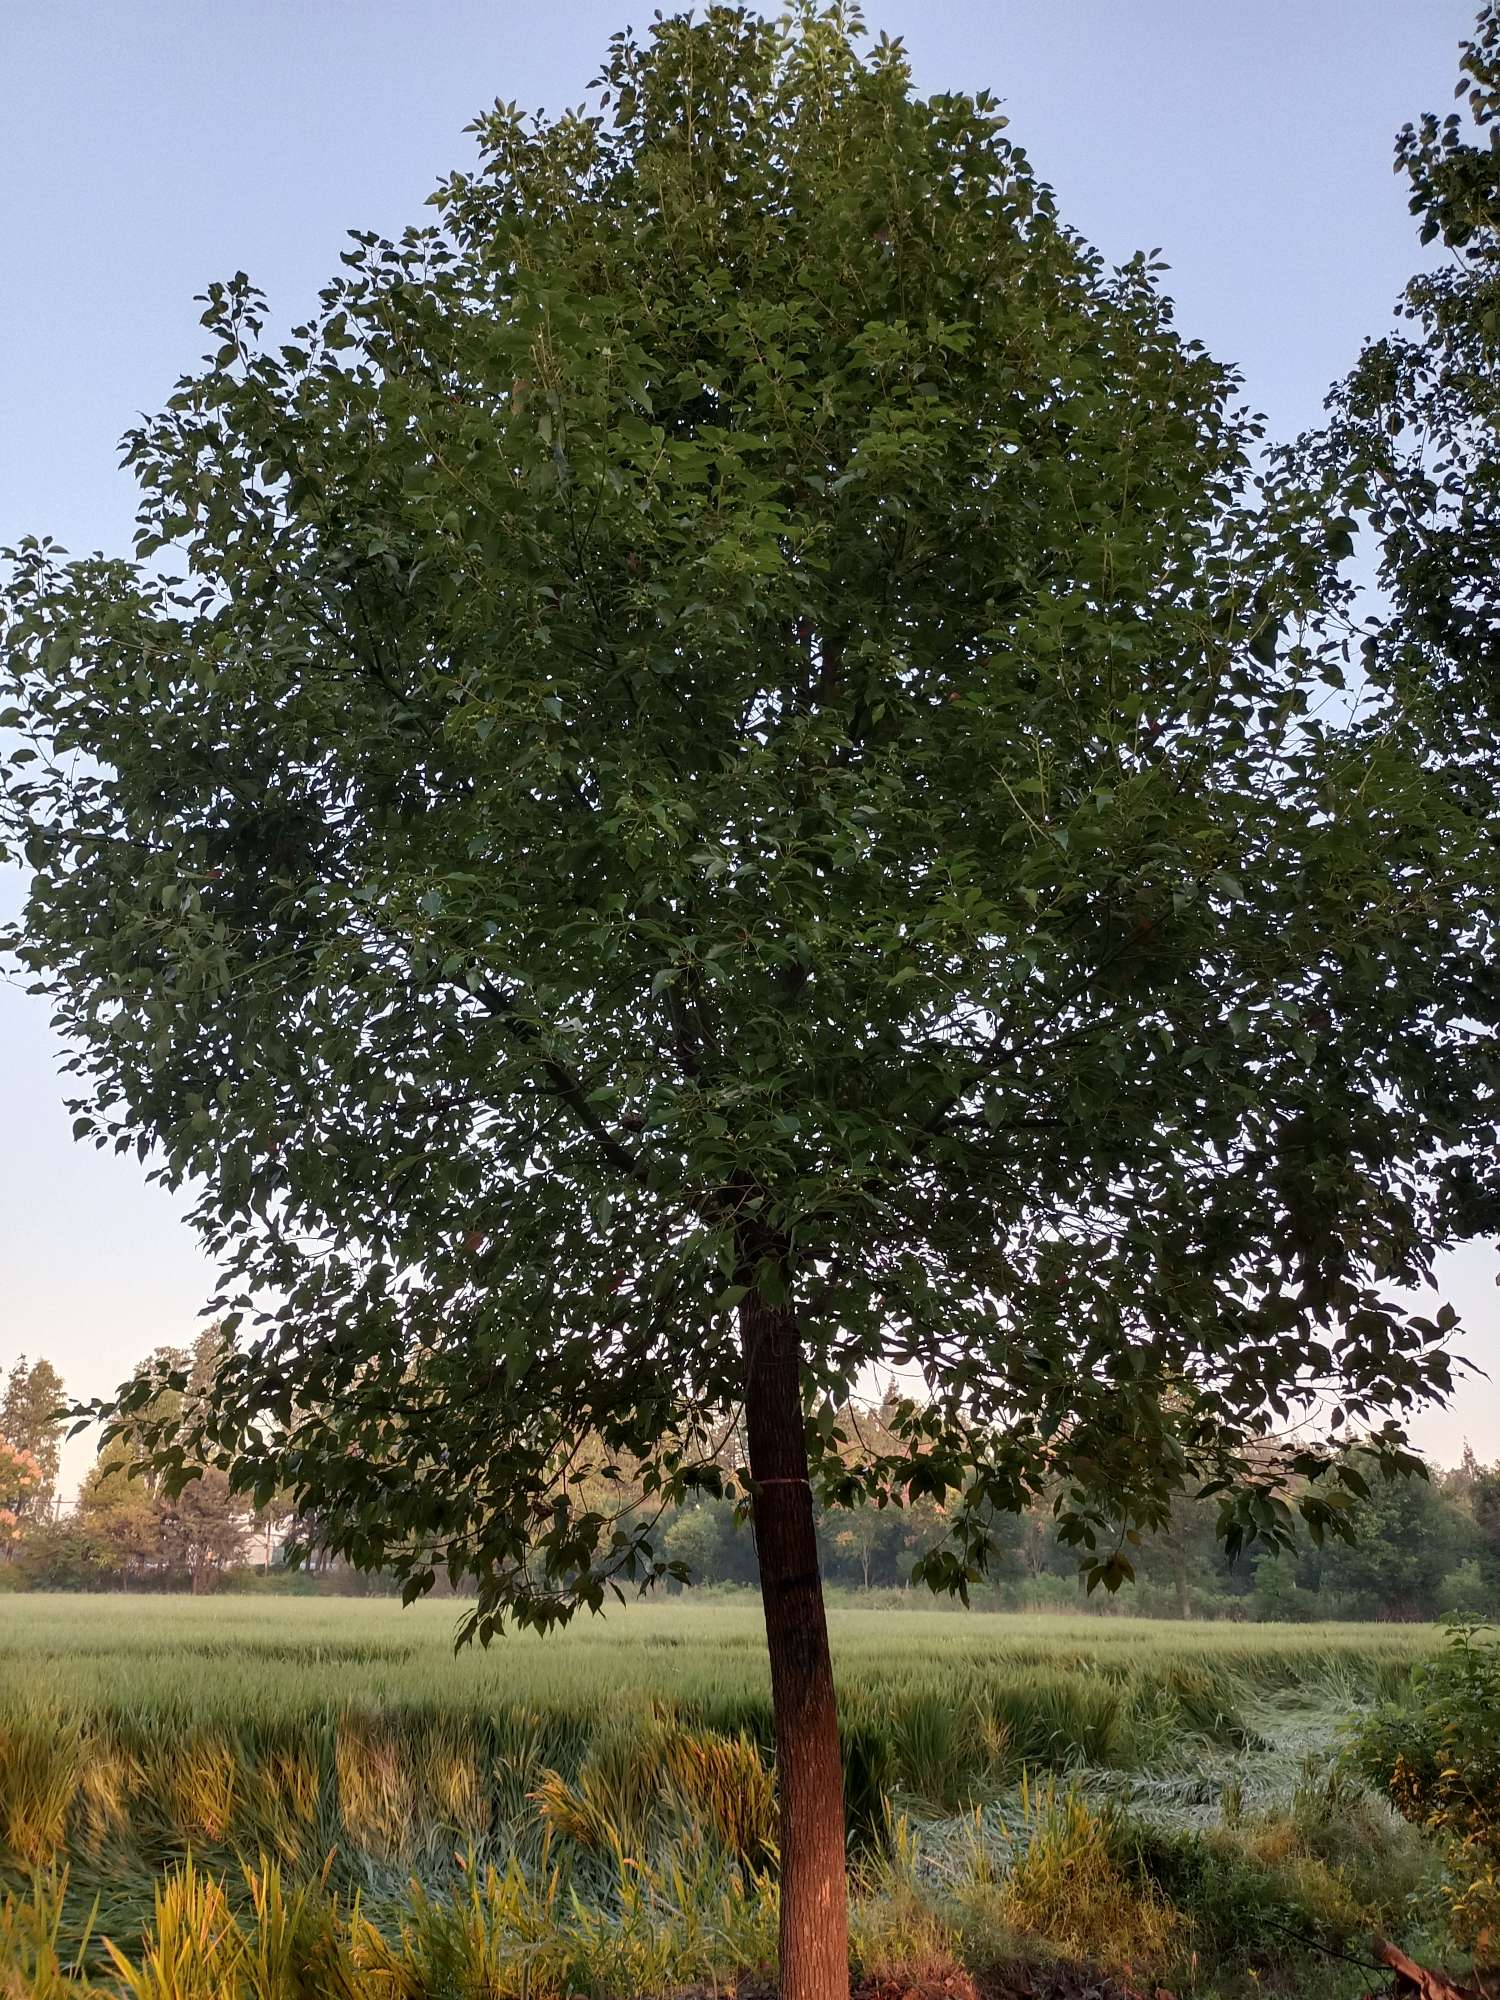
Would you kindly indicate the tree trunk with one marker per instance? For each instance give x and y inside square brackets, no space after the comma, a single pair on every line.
[1184,1596]
[809,1774]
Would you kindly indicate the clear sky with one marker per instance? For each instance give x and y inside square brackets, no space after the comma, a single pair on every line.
[148,146]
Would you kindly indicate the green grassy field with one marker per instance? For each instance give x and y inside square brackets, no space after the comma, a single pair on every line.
[248,1657]
[592,1812]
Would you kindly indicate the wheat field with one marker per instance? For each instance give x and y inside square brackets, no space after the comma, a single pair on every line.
[558,1814]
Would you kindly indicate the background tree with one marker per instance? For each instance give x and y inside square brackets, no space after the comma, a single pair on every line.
[1409,1535]
[118,1517]
[724,786]
[20,1482]
[33,1418]
[1276,1597]
[1183,1553]
[1484,1505]
[271,1522]
[55,1555]
[861,1534]
[135,1523]
[694,1539]
[204,1529]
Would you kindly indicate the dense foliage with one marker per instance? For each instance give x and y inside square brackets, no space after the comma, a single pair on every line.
[1419,1550]
[694,748]
[1436,1755]
[20,1481]
[1415,427]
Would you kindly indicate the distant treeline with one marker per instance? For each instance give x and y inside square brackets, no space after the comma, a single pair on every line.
[1422,1549]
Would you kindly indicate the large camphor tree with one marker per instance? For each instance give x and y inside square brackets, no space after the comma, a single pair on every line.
[720,778]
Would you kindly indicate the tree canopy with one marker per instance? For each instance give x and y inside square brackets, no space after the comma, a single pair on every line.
[1415,433]
[732,716]
[33,1416]
[719,775]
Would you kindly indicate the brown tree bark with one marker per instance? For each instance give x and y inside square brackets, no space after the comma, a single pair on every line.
[814,1937]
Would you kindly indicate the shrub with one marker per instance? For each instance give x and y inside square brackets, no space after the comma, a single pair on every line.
[1437,1757]
[1464,1593]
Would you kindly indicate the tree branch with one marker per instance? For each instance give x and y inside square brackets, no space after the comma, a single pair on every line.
[564,1083]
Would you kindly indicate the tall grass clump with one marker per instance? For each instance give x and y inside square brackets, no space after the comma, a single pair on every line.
[639,1787]
[41,1768]
[192,1947]
[1065,1886]
[35,1964]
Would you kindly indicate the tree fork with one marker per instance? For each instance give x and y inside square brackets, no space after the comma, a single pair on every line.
[814,1928]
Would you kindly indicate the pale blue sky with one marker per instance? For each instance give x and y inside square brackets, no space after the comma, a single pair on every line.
[147,146]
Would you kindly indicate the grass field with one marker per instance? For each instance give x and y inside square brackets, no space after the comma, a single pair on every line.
[593,1812]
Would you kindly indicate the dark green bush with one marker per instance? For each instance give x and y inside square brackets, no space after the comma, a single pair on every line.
[1436,1755]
